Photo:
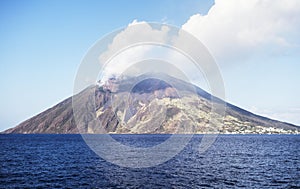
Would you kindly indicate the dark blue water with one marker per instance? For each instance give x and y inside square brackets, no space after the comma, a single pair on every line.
[65,161]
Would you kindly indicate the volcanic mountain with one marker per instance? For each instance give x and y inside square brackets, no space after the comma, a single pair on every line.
[147,104]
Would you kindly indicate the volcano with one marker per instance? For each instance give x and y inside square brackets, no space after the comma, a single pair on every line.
[147,104]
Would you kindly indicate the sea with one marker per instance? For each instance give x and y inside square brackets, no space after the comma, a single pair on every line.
[232,161]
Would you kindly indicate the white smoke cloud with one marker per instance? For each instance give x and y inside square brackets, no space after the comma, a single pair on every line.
[121,55]
[232,29]
[235,28]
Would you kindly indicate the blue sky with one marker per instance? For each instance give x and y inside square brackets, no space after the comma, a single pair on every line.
[43,42]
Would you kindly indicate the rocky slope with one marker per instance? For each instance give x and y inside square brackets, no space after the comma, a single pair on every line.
[150,106]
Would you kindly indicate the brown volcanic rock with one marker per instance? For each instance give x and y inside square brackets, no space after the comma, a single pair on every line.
[58,119]
[152,106]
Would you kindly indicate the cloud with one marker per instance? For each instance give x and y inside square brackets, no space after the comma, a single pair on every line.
[130,46]
[121,54]
[242,28]
[135,32]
